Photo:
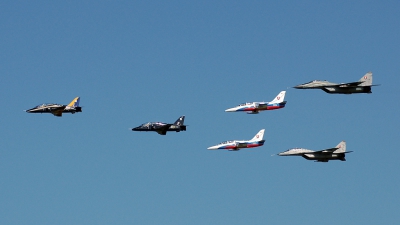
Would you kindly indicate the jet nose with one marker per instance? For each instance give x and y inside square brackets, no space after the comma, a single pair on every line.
[135,128]
[298,87]
[212,148]
[230,110]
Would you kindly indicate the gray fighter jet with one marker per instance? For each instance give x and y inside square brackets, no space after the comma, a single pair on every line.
[336,153]
[162,128]
[362,86]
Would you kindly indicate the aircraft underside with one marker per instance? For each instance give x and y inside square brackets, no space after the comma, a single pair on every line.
[325,158]
[347,90]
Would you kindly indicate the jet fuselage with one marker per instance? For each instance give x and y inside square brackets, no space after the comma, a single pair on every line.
[50,108]
[236,145]
[336,153]
[154,126]
[256,106]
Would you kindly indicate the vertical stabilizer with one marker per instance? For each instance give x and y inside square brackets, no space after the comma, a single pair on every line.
[259,136]
[180,121]
[279,98]
[74,103]
[341,147]
[366,79]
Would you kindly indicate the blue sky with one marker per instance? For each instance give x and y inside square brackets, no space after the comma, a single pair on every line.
[137,61]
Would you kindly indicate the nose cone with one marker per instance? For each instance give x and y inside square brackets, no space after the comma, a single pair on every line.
[135,129]
[212,148]
[230,110]
[299,86]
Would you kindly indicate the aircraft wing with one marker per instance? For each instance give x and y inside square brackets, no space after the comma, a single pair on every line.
[326,151]
[262,105]
[163,129]
[58,111]
[356,83]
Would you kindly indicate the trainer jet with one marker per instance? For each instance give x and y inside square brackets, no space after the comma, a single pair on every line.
[57,109]
[255,107]
[362,86]
[162,128]
[236,145]
[336,153]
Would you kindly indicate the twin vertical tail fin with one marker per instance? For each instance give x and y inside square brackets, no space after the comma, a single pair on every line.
[366,79]
[341,147]
[259,136]
[279,98]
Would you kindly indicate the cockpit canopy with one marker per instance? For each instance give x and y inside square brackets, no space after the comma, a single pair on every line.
[244,104]
[227,142]
[314,81]
[152,123]
[46,104]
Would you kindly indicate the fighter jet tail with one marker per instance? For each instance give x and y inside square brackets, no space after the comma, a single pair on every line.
[74,106]
[341,147]
[74,103]
[366,79]
[179,122]
[259,136]
[279,98]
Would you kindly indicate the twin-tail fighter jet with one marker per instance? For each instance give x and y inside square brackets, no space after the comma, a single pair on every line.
[236,145]
[362,86]
[336,153]
[57,109]
[162,128]
[254,107]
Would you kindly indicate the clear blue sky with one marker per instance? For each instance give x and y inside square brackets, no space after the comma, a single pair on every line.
[137,61]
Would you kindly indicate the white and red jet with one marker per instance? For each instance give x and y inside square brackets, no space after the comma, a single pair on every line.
[236,145]
[254,107]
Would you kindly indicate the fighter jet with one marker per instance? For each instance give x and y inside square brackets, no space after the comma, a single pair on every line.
[162,128]
[336,153]
[255,107]
[236,145]
[57,109]
[362,86]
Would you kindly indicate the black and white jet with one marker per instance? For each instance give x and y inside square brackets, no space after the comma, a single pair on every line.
[336,153]
[57,109]
[362,86]
[162,128]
